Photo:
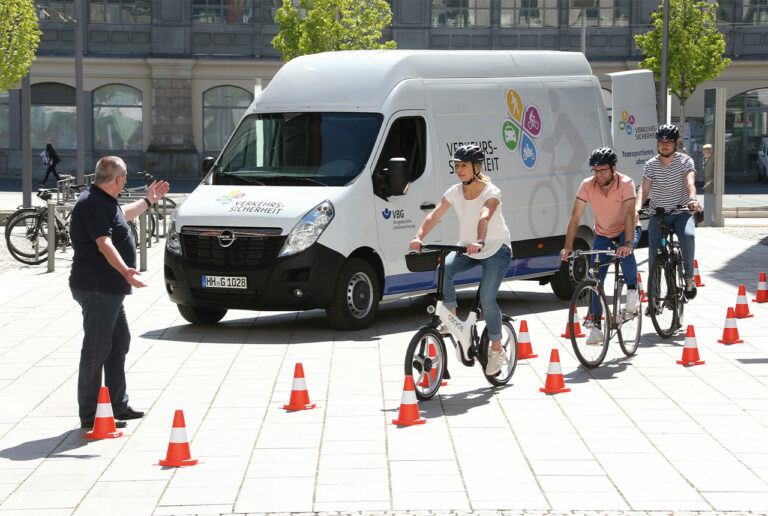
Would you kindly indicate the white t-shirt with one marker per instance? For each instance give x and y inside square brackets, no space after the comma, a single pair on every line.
[469,216]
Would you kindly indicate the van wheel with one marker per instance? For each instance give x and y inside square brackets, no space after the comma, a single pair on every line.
[356,297]
[563,283]
[201,315]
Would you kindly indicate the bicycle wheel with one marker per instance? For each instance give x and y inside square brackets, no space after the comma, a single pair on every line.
[27,238]
[21,211]
[509,345]
[134,232]
[588,324]
[425,361]
[662,301]
[630,326]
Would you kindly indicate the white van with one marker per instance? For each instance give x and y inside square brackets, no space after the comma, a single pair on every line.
[314,199]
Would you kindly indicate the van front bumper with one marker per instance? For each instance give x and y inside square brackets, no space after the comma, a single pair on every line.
[300,282]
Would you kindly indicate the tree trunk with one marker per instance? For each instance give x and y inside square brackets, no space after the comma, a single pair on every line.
[681,141]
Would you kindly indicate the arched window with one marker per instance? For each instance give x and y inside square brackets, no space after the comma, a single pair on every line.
[223,107]
[117,118]
[54,116]
[5,120]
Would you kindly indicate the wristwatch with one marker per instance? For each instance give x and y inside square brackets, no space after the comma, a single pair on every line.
[481,242]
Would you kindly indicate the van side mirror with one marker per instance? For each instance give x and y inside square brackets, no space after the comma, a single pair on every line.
[208,162]
[393,180]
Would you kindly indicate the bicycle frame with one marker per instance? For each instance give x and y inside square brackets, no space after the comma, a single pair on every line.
[611,319]
[669,251]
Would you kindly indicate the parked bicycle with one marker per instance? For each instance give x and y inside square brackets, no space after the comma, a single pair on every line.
[666,283]
[26,232]
[426,356]
[158,211]
[593,321]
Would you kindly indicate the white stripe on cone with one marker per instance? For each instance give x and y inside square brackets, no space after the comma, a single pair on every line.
[741,300]
[762,285]
[409,398]
[299,384]
[178,435]
[690,342]
[103,410]
[523,337]
[554,368]
[730,322]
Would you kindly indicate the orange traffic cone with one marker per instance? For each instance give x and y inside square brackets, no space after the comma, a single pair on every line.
[178,446]
[762,290]
[576,327]
[299,394]
[643,299]
[555,382]
[696,277]
[742,308]
[104,422]
[409,406]
[730,332]
[433,372]
[524,349]
[690,351]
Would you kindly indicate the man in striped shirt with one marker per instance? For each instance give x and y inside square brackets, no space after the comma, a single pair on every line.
[668,178]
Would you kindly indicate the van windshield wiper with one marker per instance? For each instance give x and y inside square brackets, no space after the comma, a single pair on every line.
[245,179]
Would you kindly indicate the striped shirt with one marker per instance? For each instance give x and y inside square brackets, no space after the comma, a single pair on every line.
[668,186]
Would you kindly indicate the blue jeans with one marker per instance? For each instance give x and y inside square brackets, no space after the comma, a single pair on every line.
[628,263]
[105,344]
[494,269]
[684,230]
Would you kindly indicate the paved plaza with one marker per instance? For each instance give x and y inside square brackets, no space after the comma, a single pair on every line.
[636,434]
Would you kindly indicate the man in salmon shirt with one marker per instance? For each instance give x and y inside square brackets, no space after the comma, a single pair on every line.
[612,197]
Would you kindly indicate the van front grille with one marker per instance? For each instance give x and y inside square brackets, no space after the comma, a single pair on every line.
[236,248]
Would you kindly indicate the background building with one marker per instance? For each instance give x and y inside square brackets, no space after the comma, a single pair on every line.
[166,80]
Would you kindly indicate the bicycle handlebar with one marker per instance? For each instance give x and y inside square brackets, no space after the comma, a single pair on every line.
[647,213]
[443,247]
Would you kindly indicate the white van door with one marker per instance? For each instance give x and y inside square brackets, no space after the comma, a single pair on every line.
[399,216]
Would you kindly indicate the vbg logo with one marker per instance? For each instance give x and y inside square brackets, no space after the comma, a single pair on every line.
[234,194]
[395,214]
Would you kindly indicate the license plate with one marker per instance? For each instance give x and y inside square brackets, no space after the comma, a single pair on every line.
[225,282]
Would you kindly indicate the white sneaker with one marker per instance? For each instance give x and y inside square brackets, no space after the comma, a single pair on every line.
[496,360]
[595,337]
[631,304]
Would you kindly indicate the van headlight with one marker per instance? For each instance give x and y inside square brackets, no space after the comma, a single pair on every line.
[173,242]
[308,230]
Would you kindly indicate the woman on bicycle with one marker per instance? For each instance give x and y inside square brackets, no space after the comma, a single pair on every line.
[484,233]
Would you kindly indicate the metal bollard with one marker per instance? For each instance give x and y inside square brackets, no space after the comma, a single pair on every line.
[143,241]
[51,235]
[165,218]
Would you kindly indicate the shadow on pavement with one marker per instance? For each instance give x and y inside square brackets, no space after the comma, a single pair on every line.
[48,448]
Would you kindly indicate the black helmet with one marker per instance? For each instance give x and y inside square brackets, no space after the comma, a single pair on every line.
[471,153]
[603,156]
[667,132]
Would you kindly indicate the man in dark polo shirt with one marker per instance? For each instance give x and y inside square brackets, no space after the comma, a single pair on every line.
[103,272]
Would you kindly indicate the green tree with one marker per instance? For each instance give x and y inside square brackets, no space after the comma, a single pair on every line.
[696,48]
[331,25]
[19,37]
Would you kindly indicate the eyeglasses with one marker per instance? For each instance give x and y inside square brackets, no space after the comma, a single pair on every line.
[666,142]
[601,170]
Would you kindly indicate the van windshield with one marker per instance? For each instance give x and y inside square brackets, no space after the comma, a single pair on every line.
[304,149]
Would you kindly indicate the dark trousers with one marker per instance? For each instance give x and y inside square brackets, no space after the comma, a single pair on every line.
[105,344]
[51,169]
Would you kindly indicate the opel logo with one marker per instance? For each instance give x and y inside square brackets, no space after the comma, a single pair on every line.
[227,238]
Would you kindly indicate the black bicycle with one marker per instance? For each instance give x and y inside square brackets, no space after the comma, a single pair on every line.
[666,283]
[426,356]
[593,321]
[26,234]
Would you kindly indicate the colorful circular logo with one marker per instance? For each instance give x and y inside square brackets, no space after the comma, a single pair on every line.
[510,133]
[532,122]
[627,122]
[231,196]
[528,151]
[514,105]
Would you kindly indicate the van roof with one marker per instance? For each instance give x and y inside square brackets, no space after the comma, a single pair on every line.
[362,79]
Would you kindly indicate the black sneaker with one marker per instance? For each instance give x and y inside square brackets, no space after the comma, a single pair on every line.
[88,424]
[690,288]
[129,413]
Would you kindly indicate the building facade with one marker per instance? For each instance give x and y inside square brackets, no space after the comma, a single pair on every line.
[165,81]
